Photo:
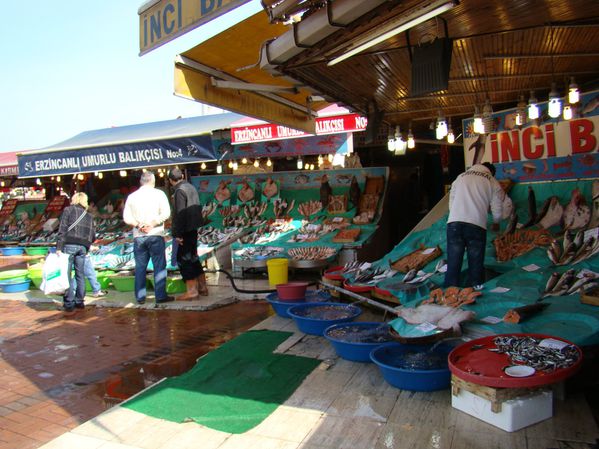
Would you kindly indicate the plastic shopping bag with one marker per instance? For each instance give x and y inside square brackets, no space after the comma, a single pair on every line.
[55,276]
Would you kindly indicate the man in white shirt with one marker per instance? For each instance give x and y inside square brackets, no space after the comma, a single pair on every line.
[146,210]
[471,195]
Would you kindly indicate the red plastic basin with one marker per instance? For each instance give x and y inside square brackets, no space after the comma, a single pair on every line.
[292,291]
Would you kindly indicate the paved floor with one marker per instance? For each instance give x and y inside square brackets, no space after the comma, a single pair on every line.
[61,376]
[57,373]
[341,405]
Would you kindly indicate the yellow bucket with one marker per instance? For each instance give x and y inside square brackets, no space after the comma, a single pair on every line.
[277,271]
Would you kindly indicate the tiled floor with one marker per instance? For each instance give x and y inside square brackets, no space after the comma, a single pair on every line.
[57,373]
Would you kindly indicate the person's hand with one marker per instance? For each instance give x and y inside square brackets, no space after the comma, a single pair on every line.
[179,240]
[495,227]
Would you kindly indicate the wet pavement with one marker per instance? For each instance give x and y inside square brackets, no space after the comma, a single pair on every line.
[57,373]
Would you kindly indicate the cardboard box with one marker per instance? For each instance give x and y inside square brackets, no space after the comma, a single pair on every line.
[515,414]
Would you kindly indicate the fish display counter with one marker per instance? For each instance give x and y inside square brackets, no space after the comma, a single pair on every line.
[305,216]
[540,278]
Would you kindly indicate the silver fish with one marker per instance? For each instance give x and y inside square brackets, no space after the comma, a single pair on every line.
[578,284]
[551,282]
[564,280]
[410,275]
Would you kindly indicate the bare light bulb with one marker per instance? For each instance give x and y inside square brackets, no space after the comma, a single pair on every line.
[256,163]
[219,168]
[573,92]
[533,108]
[268,162]
[203,166]
[568,112]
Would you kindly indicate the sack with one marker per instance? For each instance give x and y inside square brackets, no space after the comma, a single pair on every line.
[55,274]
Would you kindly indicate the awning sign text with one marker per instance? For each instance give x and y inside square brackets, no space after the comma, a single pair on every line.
[324,126]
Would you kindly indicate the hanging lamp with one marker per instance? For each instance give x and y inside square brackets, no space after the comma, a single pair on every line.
[533,108]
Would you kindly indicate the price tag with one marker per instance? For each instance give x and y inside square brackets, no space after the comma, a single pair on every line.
[426,327]
[531,267]
[552,343]
[428,250]
[491,320]
[337,220]
[500,290]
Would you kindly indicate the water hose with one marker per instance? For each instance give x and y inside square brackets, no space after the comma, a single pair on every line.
[241,290]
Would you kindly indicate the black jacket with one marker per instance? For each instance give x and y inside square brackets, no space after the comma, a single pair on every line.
[187,212]
[84,233]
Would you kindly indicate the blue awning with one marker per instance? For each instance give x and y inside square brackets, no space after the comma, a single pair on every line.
[172,142]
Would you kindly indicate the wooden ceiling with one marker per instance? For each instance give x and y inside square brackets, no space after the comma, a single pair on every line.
[502,49]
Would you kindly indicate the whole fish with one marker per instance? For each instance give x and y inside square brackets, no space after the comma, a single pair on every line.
[511,227]
[544,210]
[551,282]
[564,280]
[532,208]
[410,275]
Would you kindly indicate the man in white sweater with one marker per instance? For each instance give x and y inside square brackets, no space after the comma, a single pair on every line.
[470,197]
[146,210]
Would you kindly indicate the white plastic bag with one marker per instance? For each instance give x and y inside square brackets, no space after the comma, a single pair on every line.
[55,277]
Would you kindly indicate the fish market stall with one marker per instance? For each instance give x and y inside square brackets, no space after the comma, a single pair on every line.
[305,216]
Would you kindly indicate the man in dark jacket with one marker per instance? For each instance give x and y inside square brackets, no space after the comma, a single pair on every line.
[76,233]
[187,218]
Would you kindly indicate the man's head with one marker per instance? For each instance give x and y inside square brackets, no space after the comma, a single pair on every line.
[147,179]
[491,167]
[175,175]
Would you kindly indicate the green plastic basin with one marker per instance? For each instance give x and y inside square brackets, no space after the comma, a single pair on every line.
[13,274]
[173,285]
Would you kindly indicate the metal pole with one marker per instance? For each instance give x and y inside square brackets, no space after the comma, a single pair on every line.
[393,310]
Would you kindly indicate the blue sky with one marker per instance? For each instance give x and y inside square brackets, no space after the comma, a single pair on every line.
[70,66]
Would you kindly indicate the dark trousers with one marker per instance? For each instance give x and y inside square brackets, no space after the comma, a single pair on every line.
[469,238]
[144,248]
[75,294]
[187,256]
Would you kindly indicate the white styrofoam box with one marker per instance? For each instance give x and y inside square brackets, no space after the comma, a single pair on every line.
[51,224]
[515,413]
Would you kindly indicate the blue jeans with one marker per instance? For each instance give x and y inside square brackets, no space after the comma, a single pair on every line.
[145,248]
[465,237]
[75,294]
[90,274]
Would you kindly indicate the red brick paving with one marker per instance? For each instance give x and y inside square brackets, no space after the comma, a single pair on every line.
[58,373]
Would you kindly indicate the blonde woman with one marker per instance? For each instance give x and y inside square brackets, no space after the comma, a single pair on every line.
[76,233]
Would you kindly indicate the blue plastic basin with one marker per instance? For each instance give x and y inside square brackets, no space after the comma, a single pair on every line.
[13,251]
[317,325]
[352,349]
[15,287]
[388,358]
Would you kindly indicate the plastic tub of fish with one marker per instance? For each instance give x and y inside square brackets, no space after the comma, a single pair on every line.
[12,251]
[281,307]
[334,274]
[355,341]
[314,318]
[357,288]
[413,367]
[14,286]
